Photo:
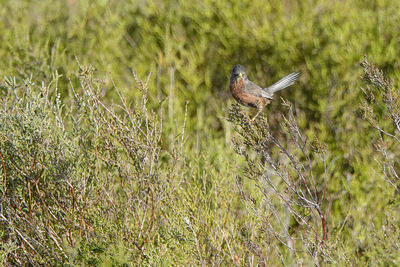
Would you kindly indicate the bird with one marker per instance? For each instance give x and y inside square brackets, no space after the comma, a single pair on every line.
[250,94]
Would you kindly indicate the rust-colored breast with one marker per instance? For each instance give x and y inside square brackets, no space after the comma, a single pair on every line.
[246,99]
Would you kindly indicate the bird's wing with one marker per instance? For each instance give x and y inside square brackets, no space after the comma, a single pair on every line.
[252,89]
[281,84]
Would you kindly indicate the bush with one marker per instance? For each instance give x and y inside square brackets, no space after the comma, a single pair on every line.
[79,176]
[291,176]
[101,167]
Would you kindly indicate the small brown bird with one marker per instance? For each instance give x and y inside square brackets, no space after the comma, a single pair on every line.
[250,94]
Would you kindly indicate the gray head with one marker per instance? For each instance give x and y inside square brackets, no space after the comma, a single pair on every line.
[238,71]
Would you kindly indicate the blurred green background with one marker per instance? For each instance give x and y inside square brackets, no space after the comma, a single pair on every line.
[186,50]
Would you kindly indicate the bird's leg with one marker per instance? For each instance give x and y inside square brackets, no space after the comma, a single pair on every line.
[260,108]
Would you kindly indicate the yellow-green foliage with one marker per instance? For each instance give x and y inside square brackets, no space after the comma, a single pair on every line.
[133,160]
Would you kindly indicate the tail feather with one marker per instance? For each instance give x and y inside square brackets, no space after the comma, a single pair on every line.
[281,84]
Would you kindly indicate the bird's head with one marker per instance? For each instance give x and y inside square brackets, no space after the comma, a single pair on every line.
[238,73]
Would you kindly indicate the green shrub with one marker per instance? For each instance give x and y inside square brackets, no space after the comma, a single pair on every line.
[77,175]
[98,167]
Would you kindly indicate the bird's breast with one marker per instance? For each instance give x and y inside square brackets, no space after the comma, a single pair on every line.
[240,96]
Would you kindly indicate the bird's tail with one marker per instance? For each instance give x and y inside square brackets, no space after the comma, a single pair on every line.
[281,84]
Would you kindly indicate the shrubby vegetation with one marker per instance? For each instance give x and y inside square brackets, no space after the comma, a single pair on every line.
[120,143]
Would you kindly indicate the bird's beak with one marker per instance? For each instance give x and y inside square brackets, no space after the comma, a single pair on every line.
[240,77]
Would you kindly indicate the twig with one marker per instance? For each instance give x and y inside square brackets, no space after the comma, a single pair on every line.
[5,174]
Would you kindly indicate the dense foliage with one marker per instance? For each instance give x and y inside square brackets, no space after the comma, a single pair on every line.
[121,145]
